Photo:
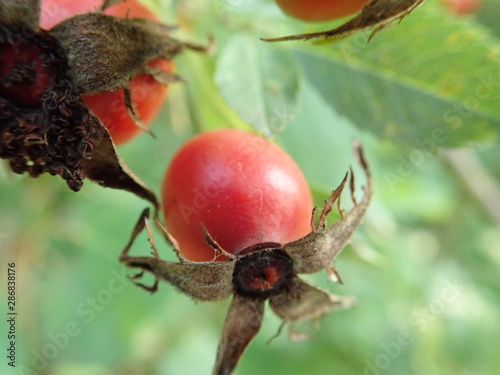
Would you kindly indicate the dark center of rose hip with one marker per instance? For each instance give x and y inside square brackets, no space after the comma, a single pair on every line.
[262,271]
[24,75]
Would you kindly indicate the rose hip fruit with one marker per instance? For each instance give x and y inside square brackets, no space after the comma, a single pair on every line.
[240,188]
[320,10]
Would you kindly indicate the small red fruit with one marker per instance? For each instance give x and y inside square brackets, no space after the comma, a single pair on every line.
[242,188]
[463,6]
[147,94]
[246,190]
[320,10]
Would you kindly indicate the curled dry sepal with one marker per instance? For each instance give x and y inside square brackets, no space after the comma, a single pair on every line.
[261,272]
[375,15]
[44,124]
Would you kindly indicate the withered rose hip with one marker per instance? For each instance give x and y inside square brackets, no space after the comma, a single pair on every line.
[45,126]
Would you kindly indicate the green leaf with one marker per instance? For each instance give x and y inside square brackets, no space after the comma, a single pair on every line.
[259,81]
[415,82]
[207,108]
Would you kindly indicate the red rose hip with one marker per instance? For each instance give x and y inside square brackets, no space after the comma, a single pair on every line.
[462,7]
[242,188]
[320,10]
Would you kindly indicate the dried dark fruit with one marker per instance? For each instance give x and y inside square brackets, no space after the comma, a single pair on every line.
[266,271]
[45,126]
[375,15]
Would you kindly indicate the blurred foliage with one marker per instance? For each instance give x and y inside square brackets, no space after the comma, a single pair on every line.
[424,265]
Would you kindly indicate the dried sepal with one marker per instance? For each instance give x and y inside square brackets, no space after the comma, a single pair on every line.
[317,250]
[208,281]
[109,3]
[327,208]
[376,15]
[106,167]
[201,280]
[242,323]
[21,13]
[170,239]
[302,301]
[218,250]
[105,52]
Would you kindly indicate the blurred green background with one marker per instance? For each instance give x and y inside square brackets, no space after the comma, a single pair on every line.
[423,98]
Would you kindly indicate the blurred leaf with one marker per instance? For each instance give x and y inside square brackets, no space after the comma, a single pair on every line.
[259,81]
[489,13]
[208,109]
[405,87]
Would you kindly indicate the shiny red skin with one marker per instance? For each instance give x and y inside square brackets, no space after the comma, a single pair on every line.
[320,10]
[147,94]
[244,189]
